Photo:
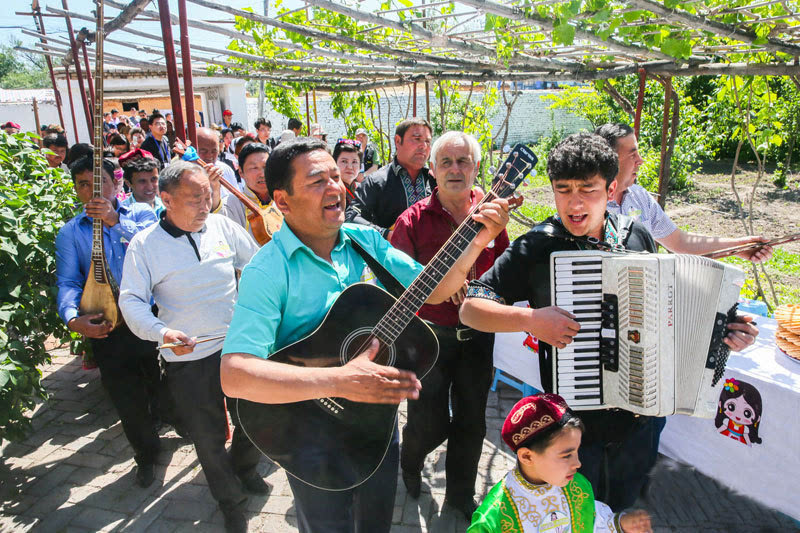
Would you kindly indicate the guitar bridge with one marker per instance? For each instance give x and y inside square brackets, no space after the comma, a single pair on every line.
[331,406]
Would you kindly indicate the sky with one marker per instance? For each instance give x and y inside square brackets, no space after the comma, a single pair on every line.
[10,23]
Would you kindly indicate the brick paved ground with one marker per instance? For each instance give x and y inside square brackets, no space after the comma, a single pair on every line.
[75,473]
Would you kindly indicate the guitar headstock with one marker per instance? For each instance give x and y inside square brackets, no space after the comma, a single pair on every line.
[513,171]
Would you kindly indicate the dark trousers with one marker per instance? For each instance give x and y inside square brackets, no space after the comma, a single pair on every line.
[367,508]
[619,470]
[459,381]
[198,398]
[129,373]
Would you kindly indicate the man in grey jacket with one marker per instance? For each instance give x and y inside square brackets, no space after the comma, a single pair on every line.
[187,264]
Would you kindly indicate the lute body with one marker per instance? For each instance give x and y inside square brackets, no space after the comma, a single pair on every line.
[100,292]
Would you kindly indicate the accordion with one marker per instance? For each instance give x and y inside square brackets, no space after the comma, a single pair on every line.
[651,330]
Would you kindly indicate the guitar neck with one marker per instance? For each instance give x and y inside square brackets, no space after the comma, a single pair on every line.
[248,203]
[433,273]
[395,321]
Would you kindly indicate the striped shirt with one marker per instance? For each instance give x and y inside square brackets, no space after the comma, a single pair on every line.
[639,205]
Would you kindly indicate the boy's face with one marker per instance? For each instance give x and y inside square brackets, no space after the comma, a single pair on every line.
[581,204]
[557,464]
[144,185]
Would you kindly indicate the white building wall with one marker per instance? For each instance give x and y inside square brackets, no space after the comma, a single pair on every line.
[22,114]
[227,91]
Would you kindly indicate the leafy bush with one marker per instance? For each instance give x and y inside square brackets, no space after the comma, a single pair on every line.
[34,202]
[542,149]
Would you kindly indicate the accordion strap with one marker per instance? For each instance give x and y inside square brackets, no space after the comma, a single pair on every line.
[557,231]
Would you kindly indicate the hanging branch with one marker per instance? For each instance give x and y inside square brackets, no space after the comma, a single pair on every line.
[442,116]
[727,31]
[673,136]
[615,95]
[531,16]
[509,107]
[441,41]
[747,222]
[348,41]
[466,105]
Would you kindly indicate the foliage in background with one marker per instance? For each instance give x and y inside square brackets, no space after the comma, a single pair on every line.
[34,202]
[22,71]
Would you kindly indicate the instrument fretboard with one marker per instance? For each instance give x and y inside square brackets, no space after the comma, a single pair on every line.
[395,321]
[98,253]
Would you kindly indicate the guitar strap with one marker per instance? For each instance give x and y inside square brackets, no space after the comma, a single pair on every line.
[389,282]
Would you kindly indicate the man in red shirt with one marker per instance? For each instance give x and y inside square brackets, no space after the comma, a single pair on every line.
[462,375]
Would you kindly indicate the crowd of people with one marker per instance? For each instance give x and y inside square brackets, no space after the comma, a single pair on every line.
[190,273]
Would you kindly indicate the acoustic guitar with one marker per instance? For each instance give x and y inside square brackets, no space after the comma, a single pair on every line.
[101,291]
[334,443]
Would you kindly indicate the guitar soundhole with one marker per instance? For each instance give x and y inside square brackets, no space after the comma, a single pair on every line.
[356,342]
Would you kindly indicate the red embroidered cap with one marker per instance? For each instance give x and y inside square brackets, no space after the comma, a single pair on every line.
[134,155]
[227,113]
[531,415]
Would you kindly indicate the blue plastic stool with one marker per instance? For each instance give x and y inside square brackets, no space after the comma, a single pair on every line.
[757,307]
[521,386]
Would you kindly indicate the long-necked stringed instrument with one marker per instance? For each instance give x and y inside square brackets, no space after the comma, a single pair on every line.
[263,221]
[727,252]
[101,291]
[337,444]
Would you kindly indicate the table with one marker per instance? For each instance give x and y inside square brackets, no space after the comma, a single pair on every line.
[766,471]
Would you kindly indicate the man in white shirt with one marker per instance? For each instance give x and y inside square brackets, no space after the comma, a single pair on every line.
[187,265]
[633,200]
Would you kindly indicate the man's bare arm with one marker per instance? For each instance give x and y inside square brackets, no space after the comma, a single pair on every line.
[681,242]
[361,380]
[553,325]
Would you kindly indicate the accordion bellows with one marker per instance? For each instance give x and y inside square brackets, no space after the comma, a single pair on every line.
[651,330]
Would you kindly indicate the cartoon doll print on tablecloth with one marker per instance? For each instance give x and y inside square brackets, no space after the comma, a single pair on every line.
[739,412]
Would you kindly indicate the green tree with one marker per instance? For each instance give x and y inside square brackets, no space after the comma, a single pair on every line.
[22,71]
[34,202]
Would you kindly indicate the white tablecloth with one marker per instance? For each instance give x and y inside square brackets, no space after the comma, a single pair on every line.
[514,359]
[767,471]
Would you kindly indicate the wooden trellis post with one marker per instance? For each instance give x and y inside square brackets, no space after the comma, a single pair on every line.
[172,69]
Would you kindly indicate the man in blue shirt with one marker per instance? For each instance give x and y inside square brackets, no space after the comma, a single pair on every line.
[128,365]
[284,293]
[141,176]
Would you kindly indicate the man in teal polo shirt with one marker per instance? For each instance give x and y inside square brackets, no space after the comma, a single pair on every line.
[284,294]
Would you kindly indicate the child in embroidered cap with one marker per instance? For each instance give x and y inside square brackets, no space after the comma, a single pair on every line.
[545,492]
